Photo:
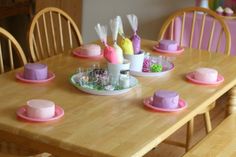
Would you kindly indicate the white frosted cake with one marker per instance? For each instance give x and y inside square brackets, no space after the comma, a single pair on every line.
[169,45]
[228,11]
[206,75]
[166,99]
[220,10]
[39,108]
[35,71]
[89,50]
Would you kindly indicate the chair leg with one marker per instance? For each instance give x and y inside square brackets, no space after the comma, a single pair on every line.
[190,127]
[207,118]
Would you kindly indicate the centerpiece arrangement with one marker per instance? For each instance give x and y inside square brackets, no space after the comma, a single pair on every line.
[99,81]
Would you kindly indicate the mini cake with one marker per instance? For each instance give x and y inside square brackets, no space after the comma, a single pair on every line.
[220,10]
[169,45]
[228,12]
[38,108]
[166,99]
[206,75]
[89,50]
[35,71]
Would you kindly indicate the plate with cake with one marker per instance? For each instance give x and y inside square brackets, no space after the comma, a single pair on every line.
[35,73]
[205,76]
[168,47]
[165,101]
[90,51]
[40,110]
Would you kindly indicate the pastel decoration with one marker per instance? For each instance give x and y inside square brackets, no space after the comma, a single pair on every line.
[89,50]
[39,108]
[110,55]
[166,99]
[127,46]
[114,24]
[109,52]
[120,27]
[119,53]
[125,43]
[206,75]
[102,33]
[169,45]
[35,71]
[136,40]
[156,68]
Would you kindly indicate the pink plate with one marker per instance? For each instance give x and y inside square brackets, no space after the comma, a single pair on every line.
[178,51]
[77,54]
[190,77]
[148,103]
[21,112]
[20,77]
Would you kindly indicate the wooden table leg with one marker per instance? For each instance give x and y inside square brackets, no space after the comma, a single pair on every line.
[231,108]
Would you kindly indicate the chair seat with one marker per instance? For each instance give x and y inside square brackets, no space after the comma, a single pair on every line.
[220,142]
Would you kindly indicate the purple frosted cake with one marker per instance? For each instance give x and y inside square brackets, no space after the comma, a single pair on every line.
[166,99]
[35,71]
[169,45]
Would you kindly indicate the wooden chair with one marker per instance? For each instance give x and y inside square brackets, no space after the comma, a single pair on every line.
[52,31]
[12,53]
[220,142]
[168,32]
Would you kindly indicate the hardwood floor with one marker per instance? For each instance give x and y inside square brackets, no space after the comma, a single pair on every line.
[166,150]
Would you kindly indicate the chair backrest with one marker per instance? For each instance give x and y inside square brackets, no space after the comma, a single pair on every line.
[11,52]
[52,31]
[203,28]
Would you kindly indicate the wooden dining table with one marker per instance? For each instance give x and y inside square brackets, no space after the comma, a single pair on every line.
[118,125]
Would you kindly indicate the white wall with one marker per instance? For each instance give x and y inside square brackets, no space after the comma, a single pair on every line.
[150,13]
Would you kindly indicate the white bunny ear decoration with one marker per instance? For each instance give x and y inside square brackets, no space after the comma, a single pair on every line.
[120,30]
[133,20]
[114,24]
[102,33]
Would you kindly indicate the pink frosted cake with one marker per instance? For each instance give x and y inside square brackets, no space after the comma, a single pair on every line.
[166,99]
[89,50]
[206,75]
[35,71]
[38,108]
[169,45]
